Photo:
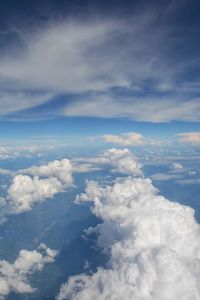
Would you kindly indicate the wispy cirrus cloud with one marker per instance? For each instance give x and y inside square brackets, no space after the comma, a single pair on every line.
[160,108]
[114,68]
[16,100]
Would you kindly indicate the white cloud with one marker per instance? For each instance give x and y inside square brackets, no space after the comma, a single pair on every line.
[108,106]
[120,160]
[126,139]
[191,172]
[12,101]
[164,176]
[2,202]
[188,181]
[153,243]
[38,183]
[64,57]
[14,276]
[6,172]
[190,137]
[25,191]
[3,153]
[13,152]
[61,169]
[176,166]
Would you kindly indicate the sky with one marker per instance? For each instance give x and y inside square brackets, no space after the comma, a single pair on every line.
[74,71]
[99,149]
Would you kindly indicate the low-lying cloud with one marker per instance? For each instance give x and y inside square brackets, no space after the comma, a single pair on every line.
[190,137]
[153,243]
[119,160]
[14,277]
[36,184]
[46,180]
[126,139]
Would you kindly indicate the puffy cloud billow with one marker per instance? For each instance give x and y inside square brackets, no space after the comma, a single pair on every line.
[38,183]
[153,243]
[45,181]
[119,160]
[14,276]
[25,191]
[61,169]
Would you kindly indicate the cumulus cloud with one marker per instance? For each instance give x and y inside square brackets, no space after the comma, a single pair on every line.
[120,160]
[14,276]
[47,180]
[38,183]
[126,139]
[14,152]
[176,166]
[190,137]
[25,191]
[61,169]
[153,244]
[3,153]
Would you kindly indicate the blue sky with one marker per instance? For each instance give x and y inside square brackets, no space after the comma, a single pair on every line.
[71,70]
[77,130]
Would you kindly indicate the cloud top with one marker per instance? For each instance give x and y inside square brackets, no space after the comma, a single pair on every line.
[153,244]
[14,276]
[119,160]
[45,181]
[190,137]
[126,139]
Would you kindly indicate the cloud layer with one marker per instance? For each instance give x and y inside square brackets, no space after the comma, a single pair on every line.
[126,139]
[142,108]
[129,64]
